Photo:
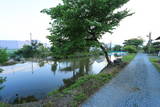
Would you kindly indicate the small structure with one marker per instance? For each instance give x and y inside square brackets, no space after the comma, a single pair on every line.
[159,51]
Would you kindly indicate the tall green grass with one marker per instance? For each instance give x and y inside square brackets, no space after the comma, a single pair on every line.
[128,58]
[155,62]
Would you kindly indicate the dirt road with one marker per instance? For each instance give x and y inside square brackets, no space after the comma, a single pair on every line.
[138,85]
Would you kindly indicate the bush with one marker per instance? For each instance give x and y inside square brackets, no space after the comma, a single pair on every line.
[130,49]
[117,48]
[3,56]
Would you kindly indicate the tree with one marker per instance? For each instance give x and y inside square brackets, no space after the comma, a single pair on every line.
[156,46]
[35,50]
[117,48]
[3,56]
[135,42]
[25,52]
[130,49]
[153,48]
[42,51]
[78,25]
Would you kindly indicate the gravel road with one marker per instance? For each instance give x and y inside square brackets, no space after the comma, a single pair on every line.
[138,85]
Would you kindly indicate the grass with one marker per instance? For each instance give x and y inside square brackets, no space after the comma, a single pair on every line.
[155,62]
[3,105]
[128,58]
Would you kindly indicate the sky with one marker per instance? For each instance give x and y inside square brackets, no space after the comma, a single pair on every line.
[20,17]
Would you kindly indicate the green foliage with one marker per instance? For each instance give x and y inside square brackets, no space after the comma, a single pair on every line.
[83,88]
[155,60]
[100,78]
[117,48]
[156,63]
[154,48]
[80,97]
[145,48]
[42,51]
[135,42]
[34,50]
[128,58]
[3,105]
[25,52]
[3,56]
[78,24]
[130,49]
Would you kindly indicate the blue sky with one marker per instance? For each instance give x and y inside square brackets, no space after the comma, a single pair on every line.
[20,17]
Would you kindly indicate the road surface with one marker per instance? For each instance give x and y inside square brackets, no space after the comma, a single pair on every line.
[138,85]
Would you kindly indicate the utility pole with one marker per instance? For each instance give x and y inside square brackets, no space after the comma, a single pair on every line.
[31,45]
[111,46]
[30,38]
[149,42]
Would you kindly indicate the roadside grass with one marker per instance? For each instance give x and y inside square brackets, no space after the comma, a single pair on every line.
[3,105]
[83,88]
[128,58]
[155,62]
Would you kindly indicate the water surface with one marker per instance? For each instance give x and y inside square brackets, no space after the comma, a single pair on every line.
[34,80]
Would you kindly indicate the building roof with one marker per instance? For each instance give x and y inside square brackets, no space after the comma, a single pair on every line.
[158,38]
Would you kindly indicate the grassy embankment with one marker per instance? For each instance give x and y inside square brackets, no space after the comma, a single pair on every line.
[156,63]
[85,86]
[128,57]
[3,105]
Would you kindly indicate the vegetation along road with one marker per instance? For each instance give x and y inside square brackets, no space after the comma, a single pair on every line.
[138,85]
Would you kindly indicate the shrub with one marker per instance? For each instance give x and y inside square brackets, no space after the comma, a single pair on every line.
[130,49]
[3,56]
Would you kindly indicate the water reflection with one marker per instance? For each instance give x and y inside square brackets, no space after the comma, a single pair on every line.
[54,67]
[20,100]
[35,80]
[41,63]
[79,69]
[2,80]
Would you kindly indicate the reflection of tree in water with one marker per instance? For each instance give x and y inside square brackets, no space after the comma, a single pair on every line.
[79,68]
[75,64]
[20,100]
[54,66]
[41,63]
[2,80]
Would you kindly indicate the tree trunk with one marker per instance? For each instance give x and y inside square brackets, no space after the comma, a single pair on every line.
[101,46]
[106,55]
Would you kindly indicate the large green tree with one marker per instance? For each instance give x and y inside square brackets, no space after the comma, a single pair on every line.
[134,42]
[78,25]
